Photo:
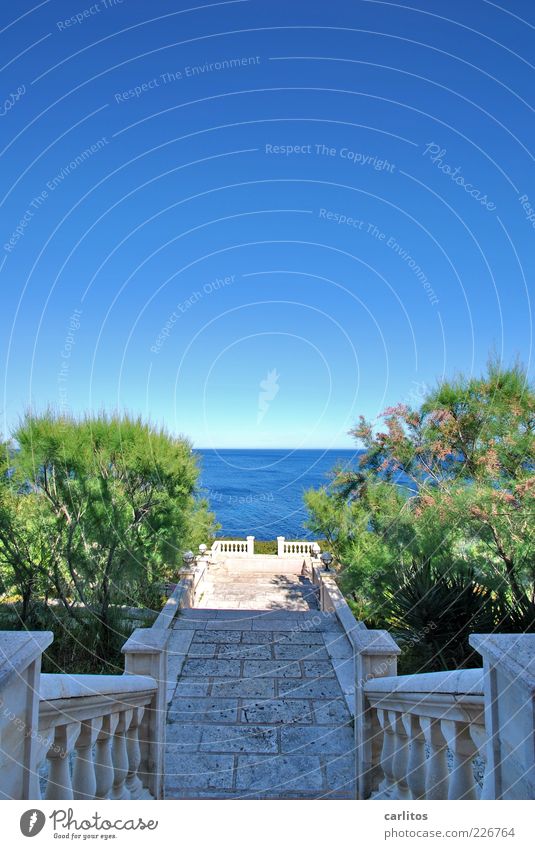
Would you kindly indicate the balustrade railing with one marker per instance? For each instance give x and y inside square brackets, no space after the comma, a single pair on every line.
[233,546]
[431,730]
[90,733]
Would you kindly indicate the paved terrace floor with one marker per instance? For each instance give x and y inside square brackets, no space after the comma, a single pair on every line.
[259,698]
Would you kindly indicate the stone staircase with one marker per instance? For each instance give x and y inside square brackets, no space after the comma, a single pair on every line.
[260,706]
[258,583]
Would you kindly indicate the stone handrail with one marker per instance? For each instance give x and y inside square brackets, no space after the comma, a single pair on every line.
[90,732]
[287,548]
[233,546]
[422,736]
[431,728]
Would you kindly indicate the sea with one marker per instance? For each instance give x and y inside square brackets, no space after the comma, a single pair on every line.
[259,492]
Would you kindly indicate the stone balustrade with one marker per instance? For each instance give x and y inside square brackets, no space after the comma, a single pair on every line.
[287,548]
[90,735]
[432,730]
[233,546]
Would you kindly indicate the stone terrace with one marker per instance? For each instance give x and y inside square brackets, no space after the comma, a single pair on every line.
[259,706]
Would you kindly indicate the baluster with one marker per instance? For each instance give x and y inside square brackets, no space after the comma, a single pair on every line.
[479,736]
[120,757]
[416,761]
[388,784]
[462,785]
[103,758]
[59,785]
[401,755]
[133,781]
[437,773]
[43,742]
[84,780]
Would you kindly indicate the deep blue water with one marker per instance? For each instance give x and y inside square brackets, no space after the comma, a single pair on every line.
[260,491]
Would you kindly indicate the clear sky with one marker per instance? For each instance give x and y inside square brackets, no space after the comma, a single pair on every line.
[252,220]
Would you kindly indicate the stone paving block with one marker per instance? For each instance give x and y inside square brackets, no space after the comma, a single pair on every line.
[300,651]
[278,773]
[206,667]
[200,770]
[210,636]
[298,636]
[238,738]
[277,711]
[245,652]
[271,668]
[203,650]
[260,638]
[191,687]
[181,738]
[327,688]
[328,712]
[248,688]
[204,709]
[340,771]
[317,739]
[318,669]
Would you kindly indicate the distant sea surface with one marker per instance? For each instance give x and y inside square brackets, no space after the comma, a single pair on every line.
[260,492]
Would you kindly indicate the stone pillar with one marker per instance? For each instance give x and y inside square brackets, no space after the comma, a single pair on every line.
[146,654]
[375,657]
[250,545]
[280,546]
[509,689]
[20,671]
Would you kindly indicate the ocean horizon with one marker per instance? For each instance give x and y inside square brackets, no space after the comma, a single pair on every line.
[259,491]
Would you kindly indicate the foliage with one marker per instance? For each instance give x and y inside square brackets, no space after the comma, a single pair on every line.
[441,507]
[95,513]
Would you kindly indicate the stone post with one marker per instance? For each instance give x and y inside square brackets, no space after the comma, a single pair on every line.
[250,545]
[509,689]
[375,655]
[280,546]
[146,654]
[20,671]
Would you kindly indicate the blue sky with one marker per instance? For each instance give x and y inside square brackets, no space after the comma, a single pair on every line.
[253,221]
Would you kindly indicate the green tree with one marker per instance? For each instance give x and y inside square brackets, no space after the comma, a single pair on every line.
[448,491]
[117,499]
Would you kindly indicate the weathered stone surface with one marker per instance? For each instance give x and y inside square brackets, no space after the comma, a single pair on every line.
[340,771]
[304,651]
[303,636]
[280,773]
[331,711]
[277,711]
[198,771]
[207,667]
[246,652]
[310,689]
[318,669]
[181,739]
[317,739]
[191,687]
[238,738]
[207,709]
[271,668]
[203,650]
[249,688]
[210,636]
